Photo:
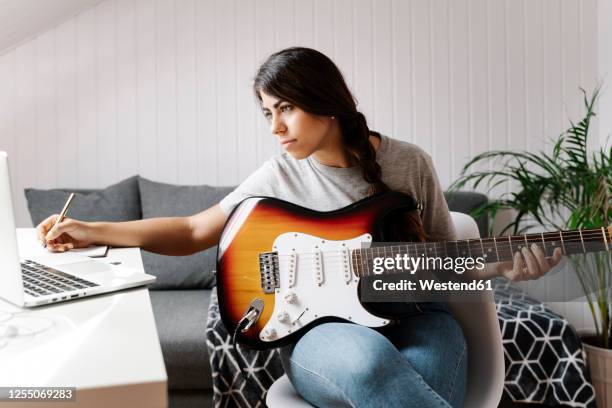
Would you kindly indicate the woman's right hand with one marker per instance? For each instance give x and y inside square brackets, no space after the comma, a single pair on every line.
[66,235]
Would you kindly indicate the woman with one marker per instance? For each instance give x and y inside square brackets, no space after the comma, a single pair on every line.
[331,160]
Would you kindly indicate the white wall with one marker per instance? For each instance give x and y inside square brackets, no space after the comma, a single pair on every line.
[20,20]
[162,88]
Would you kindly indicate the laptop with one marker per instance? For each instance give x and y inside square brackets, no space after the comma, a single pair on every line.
[27,283]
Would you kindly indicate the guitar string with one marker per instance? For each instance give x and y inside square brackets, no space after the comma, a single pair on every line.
[335,258]
[507,239]
[519,240]
[572,239]
[464,244]
[336,261]
[570,236]
[355,268]
[357,259]
[507,256]
[536,236]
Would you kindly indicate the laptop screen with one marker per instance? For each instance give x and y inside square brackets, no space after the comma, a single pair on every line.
[11,285]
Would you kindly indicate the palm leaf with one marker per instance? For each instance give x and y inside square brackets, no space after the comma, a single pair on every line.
[566,180]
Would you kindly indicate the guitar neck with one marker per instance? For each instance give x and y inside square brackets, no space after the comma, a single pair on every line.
[491,250]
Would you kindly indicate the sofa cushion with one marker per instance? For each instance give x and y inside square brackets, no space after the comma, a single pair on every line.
[168,200]
[119,202]
[180,316]
[466,202]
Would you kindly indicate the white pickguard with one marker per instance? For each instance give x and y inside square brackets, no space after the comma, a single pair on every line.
[306,293]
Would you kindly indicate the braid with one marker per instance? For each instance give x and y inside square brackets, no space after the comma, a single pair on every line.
[356,134]
[357,142]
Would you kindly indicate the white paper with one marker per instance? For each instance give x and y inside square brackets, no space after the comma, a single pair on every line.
[92,251]
[30,248]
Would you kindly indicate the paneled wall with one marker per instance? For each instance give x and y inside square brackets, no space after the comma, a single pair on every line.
[162,88]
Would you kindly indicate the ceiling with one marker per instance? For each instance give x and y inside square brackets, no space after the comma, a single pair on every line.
[21,20]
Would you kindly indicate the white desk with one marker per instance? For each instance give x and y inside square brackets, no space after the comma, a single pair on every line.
[106,346]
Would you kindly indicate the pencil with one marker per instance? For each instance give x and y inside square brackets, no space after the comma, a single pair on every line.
[64,210]
[63,213]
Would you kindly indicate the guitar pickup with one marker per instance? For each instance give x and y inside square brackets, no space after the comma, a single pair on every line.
[317,264]
[293,260]
[346,265]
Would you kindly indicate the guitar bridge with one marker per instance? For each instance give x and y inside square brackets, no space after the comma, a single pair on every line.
[268,270]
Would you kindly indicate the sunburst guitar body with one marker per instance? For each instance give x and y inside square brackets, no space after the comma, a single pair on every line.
[297,266]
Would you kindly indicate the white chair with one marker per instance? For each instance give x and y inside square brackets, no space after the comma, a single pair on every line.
[481,329]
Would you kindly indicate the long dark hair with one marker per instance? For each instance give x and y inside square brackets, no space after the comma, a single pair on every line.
[311,81]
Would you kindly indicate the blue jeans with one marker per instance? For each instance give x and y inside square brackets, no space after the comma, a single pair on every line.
[419,362]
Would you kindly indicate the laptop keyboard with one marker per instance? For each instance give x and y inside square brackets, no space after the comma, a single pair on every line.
[41,280]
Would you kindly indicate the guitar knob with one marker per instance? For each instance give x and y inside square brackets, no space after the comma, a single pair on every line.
[282,316]
[268,334]
[291,297]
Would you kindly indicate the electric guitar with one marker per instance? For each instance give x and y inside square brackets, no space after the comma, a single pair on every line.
[289,268]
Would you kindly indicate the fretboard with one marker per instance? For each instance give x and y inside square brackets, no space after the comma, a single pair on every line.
[496,249]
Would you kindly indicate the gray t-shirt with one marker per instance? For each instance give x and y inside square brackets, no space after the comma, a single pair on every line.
[405,167]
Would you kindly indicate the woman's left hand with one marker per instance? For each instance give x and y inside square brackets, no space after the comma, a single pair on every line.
[528,264]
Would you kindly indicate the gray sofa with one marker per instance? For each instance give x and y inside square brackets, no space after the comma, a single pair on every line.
[181,295]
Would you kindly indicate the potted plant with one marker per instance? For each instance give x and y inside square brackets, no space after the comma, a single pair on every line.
[567,188]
